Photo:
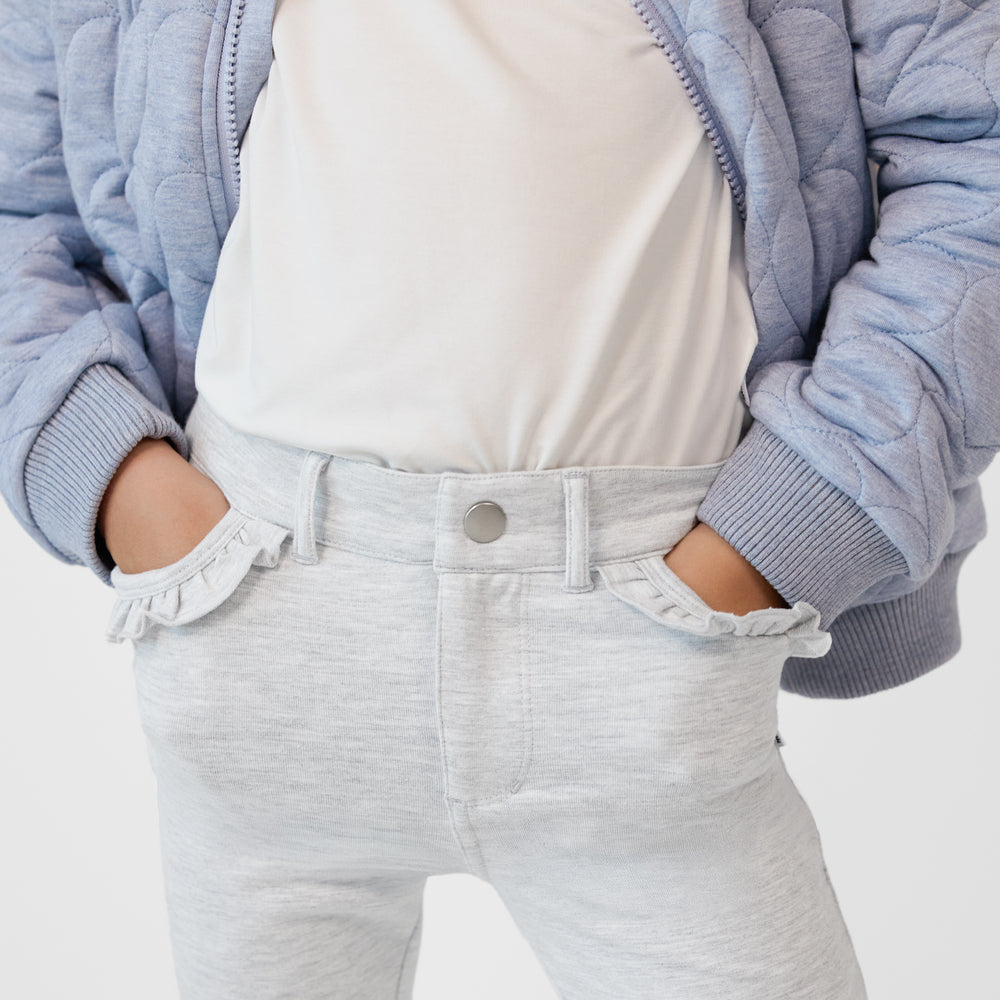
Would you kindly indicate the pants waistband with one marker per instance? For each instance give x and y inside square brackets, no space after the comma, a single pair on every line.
[556,520]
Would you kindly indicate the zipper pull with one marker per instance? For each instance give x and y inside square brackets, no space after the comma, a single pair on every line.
[778,740]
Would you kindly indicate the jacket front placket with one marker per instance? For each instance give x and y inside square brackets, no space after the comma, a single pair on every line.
[240,80]
[662,22]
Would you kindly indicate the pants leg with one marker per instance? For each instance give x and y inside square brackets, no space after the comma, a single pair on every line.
[650,843]
[253,923]
[292,734]
[741,912]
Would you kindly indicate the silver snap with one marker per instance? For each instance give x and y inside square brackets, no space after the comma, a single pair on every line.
[485,521]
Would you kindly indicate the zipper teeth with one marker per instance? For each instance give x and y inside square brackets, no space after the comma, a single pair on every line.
[233,142]
[664,39]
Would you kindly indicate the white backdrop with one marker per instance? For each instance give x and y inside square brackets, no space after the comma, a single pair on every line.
[903,786]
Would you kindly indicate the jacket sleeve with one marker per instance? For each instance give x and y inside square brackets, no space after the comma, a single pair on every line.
[69,413]
[859,458]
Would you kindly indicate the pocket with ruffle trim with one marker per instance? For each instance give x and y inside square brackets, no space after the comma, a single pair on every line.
[196,583]
[649,585]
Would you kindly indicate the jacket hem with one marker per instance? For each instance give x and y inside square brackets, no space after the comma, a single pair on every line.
[77,452]
[882,645]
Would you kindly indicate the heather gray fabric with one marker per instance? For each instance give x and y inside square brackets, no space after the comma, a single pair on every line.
[342,694]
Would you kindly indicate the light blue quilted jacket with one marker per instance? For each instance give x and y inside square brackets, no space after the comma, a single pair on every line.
[875,386]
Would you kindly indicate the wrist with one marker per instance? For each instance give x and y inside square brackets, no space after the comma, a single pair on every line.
[151,466]
[719,574]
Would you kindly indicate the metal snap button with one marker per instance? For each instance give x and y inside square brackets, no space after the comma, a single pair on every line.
[485,521]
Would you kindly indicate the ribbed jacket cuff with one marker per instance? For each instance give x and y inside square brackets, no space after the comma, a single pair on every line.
[809,539]
[879,646]
[77,452]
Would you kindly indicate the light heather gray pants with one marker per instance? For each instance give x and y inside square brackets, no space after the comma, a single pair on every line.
[343,692]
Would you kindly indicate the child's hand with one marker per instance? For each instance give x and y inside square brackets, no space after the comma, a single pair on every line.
[719,575]
[157,508]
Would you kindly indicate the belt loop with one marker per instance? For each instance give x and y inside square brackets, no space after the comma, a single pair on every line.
[304,532]
[576,491]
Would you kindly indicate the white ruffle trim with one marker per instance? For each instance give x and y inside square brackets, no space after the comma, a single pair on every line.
[198,582]
[650,586]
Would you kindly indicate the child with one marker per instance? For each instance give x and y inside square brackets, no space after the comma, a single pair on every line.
[478,410]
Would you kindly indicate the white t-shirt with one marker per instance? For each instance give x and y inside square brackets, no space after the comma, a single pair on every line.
[479,236]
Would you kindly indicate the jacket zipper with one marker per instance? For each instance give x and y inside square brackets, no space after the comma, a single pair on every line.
[667,40]
[231,142]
